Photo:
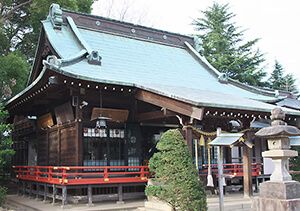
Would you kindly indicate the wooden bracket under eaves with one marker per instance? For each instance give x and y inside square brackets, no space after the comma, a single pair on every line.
[170,104]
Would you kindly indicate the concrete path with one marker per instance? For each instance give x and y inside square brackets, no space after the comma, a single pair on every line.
[233,202]
[20,203]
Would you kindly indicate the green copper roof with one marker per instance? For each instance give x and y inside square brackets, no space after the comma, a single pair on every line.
[172,71]
[132,61]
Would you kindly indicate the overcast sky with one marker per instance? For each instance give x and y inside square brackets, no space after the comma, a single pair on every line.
[276,22]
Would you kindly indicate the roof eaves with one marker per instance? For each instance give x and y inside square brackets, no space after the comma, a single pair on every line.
[35,61]
[48,65]
[75,76]
[201,104]
[58,69]
[28,88]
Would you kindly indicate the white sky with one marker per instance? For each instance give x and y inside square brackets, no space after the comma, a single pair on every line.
[276,22]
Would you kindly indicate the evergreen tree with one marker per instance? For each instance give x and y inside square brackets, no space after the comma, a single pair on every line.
[176,178]
[276,80]
[19,31]
[6,151]
[13,74]
[289,83]
[20,20]
[279,81]
[222,44]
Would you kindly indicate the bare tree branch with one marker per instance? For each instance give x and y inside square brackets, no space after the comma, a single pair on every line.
[109,9]
[125,8]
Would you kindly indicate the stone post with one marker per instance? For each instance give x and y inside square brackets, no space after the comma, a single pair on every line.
[281,193]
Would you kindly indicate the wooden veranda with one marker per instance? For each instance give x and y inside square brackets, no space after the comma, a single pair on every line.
[45,181]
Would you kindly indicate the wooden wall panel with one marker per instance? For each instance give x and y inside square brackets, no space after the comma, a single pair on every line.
[53,148]
[42,148]
[64,113]
[59,146]
[68,137]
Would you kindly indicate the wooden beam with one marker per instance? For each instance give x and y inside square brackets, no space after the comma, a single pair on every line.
[118,115]
[170,104]
[154,115]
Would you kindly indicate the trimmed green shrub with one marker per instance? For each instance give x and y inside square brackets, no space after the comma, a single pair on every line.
[176,179]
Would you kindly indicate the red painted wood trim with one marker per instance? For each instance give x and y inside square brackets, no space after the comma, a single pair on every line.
[83,175]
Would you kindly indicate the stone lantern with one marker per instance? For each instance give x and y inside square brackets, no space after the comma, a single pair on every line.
[281,192]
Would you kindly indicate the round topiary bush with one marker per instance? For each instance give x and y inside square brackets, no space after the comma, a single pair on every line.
[176,179]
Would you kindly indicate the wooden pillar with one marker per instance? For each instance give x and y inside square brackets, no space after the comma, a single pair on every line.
[37,191]
[45,192]
[220,177]
[79,117]
[90,196]
[54,194]
[79,144]
[30,189]
[78,127]
[247,171]
[228,154]
[23,188]
[120,194]
[19,188]
[188,131]
[59,146]
[48,147]
[258,150]
[64,196]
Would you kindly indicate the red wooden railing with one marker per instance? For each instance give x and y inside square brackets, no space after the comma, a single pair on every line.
[82,175]
[232,169]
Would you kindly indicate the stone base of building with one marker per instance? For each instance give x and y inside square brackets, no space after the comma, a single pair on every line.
[278,196]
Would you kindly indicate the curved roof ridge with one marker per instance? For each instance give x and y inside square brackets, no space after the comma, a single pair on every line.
[93,56]
[203,60]
[70,59]
[77,34]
